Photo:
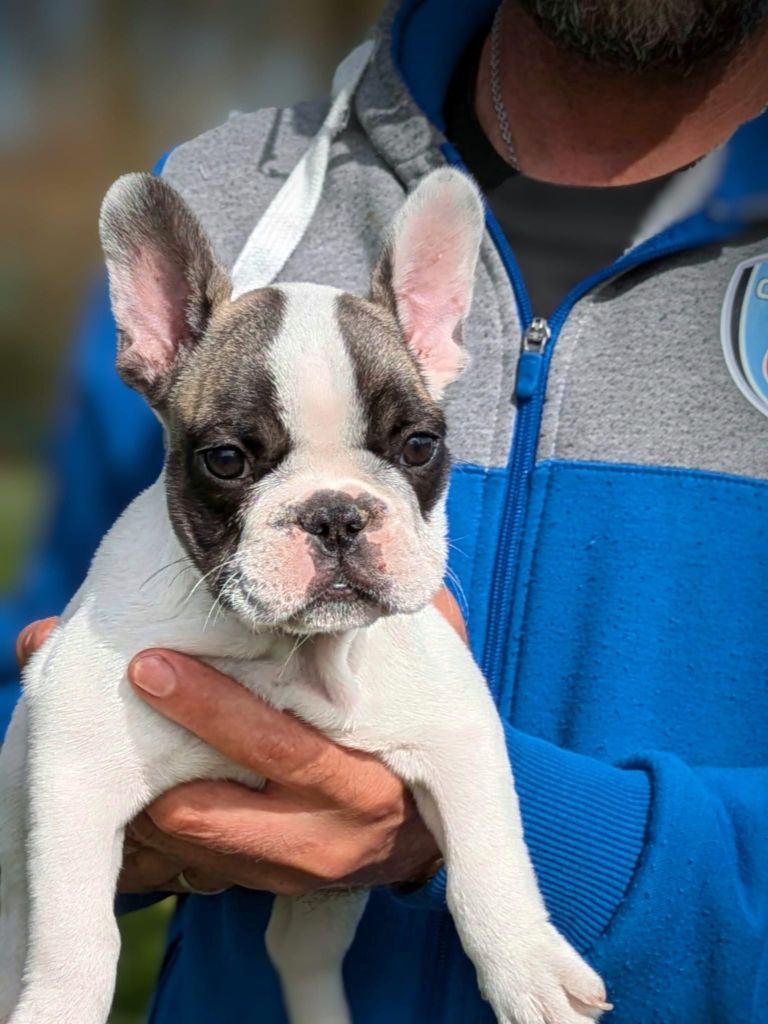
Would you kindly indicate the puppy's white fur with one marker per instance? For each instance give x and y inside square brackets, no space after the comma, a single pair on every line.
[84,754]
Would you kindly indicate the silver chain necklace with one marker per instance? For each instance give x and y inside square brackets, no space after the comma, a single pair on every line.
[499,107]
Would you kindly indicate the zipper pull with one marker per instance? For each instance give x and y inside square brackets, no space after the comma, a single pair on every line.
[529,365]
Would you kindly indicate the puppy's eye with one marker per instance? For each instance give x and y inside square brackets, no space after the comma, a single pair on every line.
[225,462]
[419,449]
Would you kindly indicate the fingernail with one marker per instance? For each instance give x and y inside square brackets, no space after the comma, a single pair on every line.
[154,675]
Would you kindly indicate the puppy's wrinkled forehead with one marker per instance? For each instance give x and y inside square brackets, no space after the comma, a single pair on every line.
[324,368]
[227,376]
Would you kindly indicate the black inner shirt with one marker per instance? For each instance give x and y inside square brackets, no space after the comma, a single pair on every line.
[559,234]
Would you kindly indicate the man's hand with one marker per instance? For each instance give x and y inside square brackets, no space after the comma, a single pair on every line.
[326,816]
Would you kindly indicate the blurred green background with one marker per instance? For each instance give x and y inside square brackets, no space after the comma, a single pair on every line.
[90,89]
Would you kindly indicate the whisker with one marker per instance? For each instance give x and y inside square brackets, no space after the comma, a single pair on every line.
[162,568]
[300,641]
[184,568]
[216,568]
[211,611]
[455,547]
[460,595]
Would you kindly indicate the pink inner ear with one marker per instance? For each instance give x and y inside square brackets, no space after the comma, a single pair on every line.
[433,268]
[149,298]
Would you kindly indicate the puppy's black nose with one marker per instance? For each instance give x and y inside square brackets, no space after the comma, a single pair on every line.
[336,522]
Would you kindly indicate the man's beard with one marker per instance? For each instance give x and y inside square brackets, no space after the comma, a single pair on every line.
[669,36]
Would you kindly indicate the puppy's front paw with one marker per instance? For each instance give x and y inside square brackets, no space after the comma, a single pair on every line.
[544,982]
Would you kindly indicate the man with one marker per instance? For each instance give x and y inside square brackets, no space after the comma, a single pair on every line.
[607,512]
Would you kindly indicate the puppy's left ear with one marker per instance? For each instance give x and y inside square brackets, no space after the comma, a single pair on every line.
[163,279]
[427,271]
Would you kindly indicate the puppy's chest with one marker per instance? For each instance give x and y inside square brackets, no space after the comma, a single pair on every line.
[171,755]
[299,684]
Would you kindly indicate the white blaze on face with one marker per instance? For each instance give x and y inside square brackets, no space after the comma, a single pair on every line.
[314,376]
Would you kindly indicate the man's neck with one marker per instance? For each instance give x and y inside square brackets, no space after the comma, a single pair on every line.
[575,124]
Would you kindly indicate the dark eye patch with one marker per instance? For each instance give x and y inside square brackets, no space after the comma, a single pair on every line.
[393,418]
[261,441]
[394,397]
[223,397]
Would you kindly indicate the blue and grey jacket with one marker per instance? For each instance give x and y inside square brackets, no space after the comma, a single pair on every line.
[609,530]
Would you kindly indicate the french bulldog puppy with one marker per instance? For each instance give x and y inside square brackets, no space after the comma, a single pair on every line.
[304,486]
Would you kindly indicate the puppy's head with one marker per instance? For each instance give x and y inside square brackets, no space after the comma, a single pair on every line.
[306,461]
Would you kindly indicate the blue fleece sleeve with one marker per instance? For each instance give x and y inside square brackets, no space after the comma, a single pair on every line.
[106,447]
[652,867]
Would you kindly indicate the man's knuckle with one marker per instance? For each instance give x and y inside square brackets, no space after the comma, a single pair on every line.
[178,819]
[337,864]
[278,748]
[285,885]
[293,889]
[299,856]
[382,800]
[321,769]
[142,830]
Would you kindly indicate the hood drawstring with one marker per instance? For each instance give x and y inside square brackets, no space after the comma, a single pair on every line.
[288,216]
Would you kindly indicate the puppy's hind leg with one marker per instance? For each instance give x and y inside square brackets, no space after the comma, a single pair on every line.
[14,905]
[307,940]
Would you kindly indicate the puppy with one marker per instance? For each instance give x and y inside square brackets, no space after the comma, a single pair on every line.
[304,483]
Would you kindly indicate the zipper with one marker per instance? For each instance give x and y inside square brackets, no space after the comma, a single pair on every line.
[539,337]
[529,363]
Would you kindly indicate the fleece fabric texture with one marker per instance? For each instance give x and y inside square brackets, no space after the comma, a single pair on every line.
[608,530]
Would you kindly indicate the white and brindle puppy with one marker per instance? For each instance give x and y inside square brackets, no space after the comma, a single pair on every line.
[304,482]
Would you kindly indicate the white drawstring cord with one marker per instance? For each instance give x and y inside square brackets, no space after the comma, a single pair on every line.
[288,216]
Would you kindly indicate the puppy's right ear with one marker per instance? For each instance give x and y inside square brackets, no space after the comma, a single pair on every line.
[163,279]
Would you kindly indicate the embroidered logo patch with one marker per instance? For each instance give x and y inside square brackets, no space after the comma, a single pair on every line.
[744,330]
